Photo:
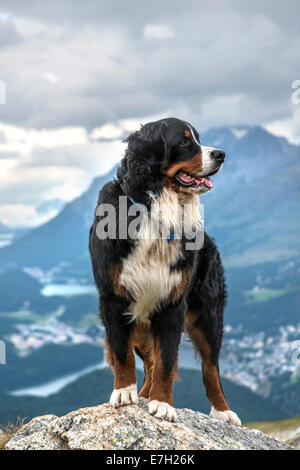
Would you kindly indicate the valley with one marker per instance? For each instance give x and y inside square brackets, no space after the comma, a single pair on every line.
[48,306]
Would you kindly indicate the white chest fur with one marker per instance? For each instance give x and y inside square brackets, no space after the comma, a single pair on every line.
[146,272]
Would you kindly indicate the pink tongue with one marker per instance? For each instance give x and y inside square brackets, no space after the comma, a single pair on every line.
[208,182]
[186,178]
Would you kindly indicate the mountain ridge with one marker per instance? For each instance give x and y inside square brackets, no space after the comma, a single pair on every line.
[240,212]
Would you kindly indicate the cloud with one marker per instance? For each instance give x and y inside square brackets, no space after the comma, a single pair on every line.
[21,215]
[51,77]
[9,35]
[158,31]
[122,127]
[288,127]
[24,139]
[108,131]
[102,67]
[1,137]
[38,167]
[80,77]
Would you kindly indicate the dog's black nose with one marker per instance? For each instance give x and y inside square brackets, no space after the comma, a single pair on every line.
[219,155]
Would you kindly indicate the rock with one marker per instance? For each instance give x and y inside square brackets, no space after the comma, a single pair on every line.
[294,441]
[133,428]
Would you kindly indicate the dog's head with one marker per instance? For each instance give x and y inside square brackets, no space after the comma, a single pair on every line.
[189,164]
[171,147]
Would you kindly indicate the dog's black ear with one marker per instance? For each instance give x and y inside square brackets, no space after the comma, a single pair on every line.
[149,142]
[141,168]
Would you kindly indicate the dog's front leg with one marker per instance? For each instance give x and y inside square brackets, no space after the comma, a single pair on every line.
[119,351]
[167,328]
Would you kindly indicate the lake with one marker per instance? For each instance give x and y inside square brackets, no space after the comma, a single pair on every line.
[186,361]
[68,289]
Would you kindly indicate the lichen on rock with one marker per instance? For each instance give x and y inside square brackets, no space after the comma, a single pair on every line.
[133,428]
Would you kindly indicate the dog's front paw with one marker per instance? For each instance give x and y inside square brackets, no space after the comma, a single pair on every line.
[124,396]
[228,416]
[162,410]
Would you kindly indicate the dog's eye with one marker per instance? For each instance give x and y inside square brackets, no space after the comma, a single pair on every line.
[183,143]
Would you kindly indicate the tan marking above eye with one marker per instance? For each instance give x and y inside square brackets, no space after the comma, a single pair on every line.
[187,133]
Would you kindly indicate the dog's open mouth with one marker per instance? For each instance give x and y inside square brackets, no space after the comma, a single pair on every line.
[190,181]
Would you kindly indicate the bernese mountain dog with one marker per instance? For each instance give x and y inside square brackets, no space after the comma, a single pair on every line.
[152,288]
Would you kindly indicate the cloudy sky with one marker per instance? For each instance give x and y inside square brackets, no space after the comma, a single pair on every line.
[78,75]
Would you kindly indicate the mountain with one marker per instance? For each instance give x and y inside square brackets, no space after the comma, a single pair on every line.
[285,431]
[4,229]
[253,215]
[264,296]
[27,289]
[10,234]
[17,232]
[61,241]
[252,212]
[45,364]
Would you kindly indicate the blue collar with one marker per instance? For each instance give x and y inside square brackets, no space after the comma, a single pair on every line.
[171,237]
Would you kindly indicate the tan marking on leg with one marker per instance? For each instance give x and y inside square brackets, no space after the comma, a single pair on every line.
[178,291]
[162,383]
[211,377]
[124,373]
[143,339]
[161,392]
[115,273]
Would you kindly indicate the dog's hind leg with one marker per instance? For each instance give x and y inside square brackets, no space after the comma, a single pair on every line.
[204,324]
[119,351]
[207,342]
[144,347]
[167,328]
